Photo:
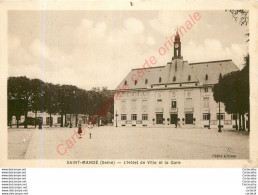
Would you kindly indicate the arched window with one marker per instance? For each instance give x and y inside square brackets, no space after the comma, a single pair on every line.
[206,77]
[189,77]
[174,78]
[146,81]
[159,79]
[125,82]
[135,82]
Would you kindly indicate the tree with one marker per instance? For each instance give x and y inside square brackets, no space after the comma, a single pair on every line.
[18,89]
[51,100]
[37,96]
[233,91]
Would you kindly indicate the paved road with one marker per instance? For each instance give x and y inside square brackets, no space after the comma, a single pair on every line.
[132,143]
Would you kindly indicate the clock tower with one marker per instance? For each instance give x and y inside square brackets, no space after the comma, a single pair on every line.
[177,47]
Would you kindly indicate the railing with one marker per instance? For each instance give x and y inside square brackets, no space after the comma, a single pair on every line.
[159,109]
[189,109]
[207,110]
[173,110]
[129,122]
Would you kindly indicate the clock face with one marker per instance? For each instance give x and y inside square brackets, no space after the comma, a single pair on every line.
[176,45]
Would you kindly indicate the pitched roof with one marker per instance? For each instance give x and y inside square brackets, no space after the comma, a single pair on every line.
[212,69]
[181,70]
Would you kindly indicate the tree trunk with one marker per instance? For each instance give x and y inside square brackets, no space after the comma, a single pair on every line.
[243,118]
[50,119]
[240,124]
[62,120]
[248,117]
[26,118]
[35,119]
[70,120]
[17,123]
[236,122]
[76,120]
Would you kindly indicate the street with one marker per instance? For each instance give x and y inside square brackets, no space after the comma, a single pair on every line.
[127,143]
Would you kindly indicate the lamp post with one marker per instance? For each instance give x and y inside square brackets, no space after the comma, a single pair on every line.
[168,120]
[116,117]
[219,120]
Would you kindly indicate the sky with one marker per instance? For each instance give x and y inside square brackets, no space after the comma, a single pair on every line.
[99,48]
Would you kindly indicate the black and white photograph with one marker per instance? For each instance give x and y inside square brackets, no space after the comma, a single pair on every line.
[117,86]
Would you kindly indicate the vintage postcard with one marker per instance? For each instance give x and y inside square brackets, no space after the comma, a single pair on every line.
[132,84]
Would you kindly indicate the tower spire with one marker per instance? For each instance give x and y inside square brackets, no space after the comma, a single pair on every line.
[177,47]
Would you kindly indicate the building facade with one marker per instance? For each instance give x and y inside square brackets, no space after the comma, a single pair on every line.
[56,119]
[179,91]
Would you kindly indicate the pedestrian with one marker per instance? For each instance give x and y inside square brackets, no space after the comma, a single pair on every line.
[79,129]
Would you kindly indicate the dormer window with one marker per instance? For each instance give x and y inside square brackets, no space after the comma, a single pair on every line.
[146,81]
[135,82]
[206,77]
[159,79]
[189,77]
[125,82]
[174,78]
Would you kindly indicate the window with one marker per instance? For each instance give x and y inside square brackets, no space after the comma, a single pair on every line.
[159,79]
[133,104]
[123,117]
[222,116]
[144,104]
[135,82]
[174,78]
[123,105]
[134,117]
[125,82]
[206,90]
[49,119]
[206,77]
[59,119]
[173,104]
[188,103]
[189,77]
[159,103]
[206,102]
[146,81]
[145,117]
[206,116]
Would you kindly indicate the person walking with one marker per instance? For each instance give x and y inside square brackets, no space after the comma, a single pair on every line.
[80,129]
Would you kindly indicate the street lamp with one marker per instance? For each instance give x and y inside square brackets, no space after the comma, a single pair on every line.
[219,120]
[116,117]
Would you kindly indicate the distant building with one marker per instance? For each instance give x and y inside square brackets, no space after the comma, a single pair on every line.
[179,91]
[56,118]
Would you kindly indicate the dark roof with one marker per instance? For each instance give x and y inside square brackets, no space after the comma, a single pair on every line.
[181,71]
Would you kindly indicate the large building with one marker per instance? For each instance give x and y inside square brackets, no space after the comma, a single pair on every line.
[179,91]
